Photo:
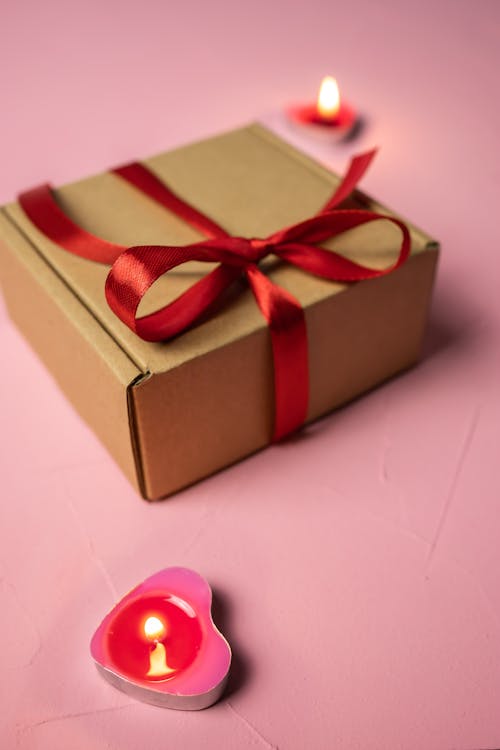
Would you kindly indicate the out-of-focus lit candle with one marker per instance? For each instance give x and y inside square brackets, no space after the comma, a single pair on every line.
[160,645]
[329,114]
[328,105]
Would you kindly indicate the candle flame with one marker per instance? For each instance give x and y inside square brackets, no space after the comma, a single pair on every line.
[154,630]
[328,98]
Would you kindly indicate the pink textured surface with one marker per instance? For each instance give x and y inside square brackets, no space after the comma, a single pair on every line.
[358,567]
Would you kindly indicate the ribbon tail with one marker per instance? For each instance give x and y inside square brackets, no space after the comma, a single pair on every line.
[355,172]
[287,326]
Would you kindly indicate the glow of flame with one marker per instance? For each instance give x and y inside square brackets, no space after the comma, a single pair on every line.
[154,629]
[328,98]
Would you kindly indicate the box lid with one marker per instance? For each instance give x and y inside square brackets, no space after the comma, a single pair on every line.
[251,183]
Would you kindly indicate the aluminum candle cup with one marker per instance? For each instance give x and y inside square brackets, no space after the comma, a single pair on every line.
[159,643]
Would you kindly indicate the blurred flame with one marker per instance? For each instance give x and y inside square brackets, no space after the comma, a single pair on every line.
[328,98]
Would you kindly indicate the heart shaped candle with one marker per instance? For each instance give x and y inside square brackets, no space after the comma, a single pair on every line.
[160,645]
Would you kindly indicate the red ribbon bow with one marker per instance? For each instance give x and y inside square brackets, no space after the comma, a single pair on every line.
[135,269]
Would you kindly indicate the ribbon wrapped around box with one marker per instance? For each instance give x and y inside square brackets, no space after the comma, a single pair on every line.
[206,298]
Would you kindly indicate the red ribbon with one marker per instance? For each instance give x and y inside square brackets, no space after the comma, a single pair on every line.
[135,269]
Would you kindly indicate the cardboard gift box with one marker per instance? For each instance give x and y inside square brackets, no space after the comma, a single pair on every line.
[172,413]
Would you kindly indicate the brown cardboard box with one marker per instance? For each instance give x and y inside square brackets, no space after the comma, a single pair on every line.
[173,413]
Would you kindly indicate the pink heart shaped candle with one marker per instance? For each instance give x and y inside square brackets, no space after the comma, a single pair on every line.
[160,645]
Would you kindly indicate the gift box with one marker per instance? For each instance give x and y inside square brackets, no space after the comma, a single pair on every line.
[172,412]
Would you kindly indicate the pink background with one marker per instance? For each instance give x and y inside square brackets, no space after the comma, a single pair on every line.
[358,567]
